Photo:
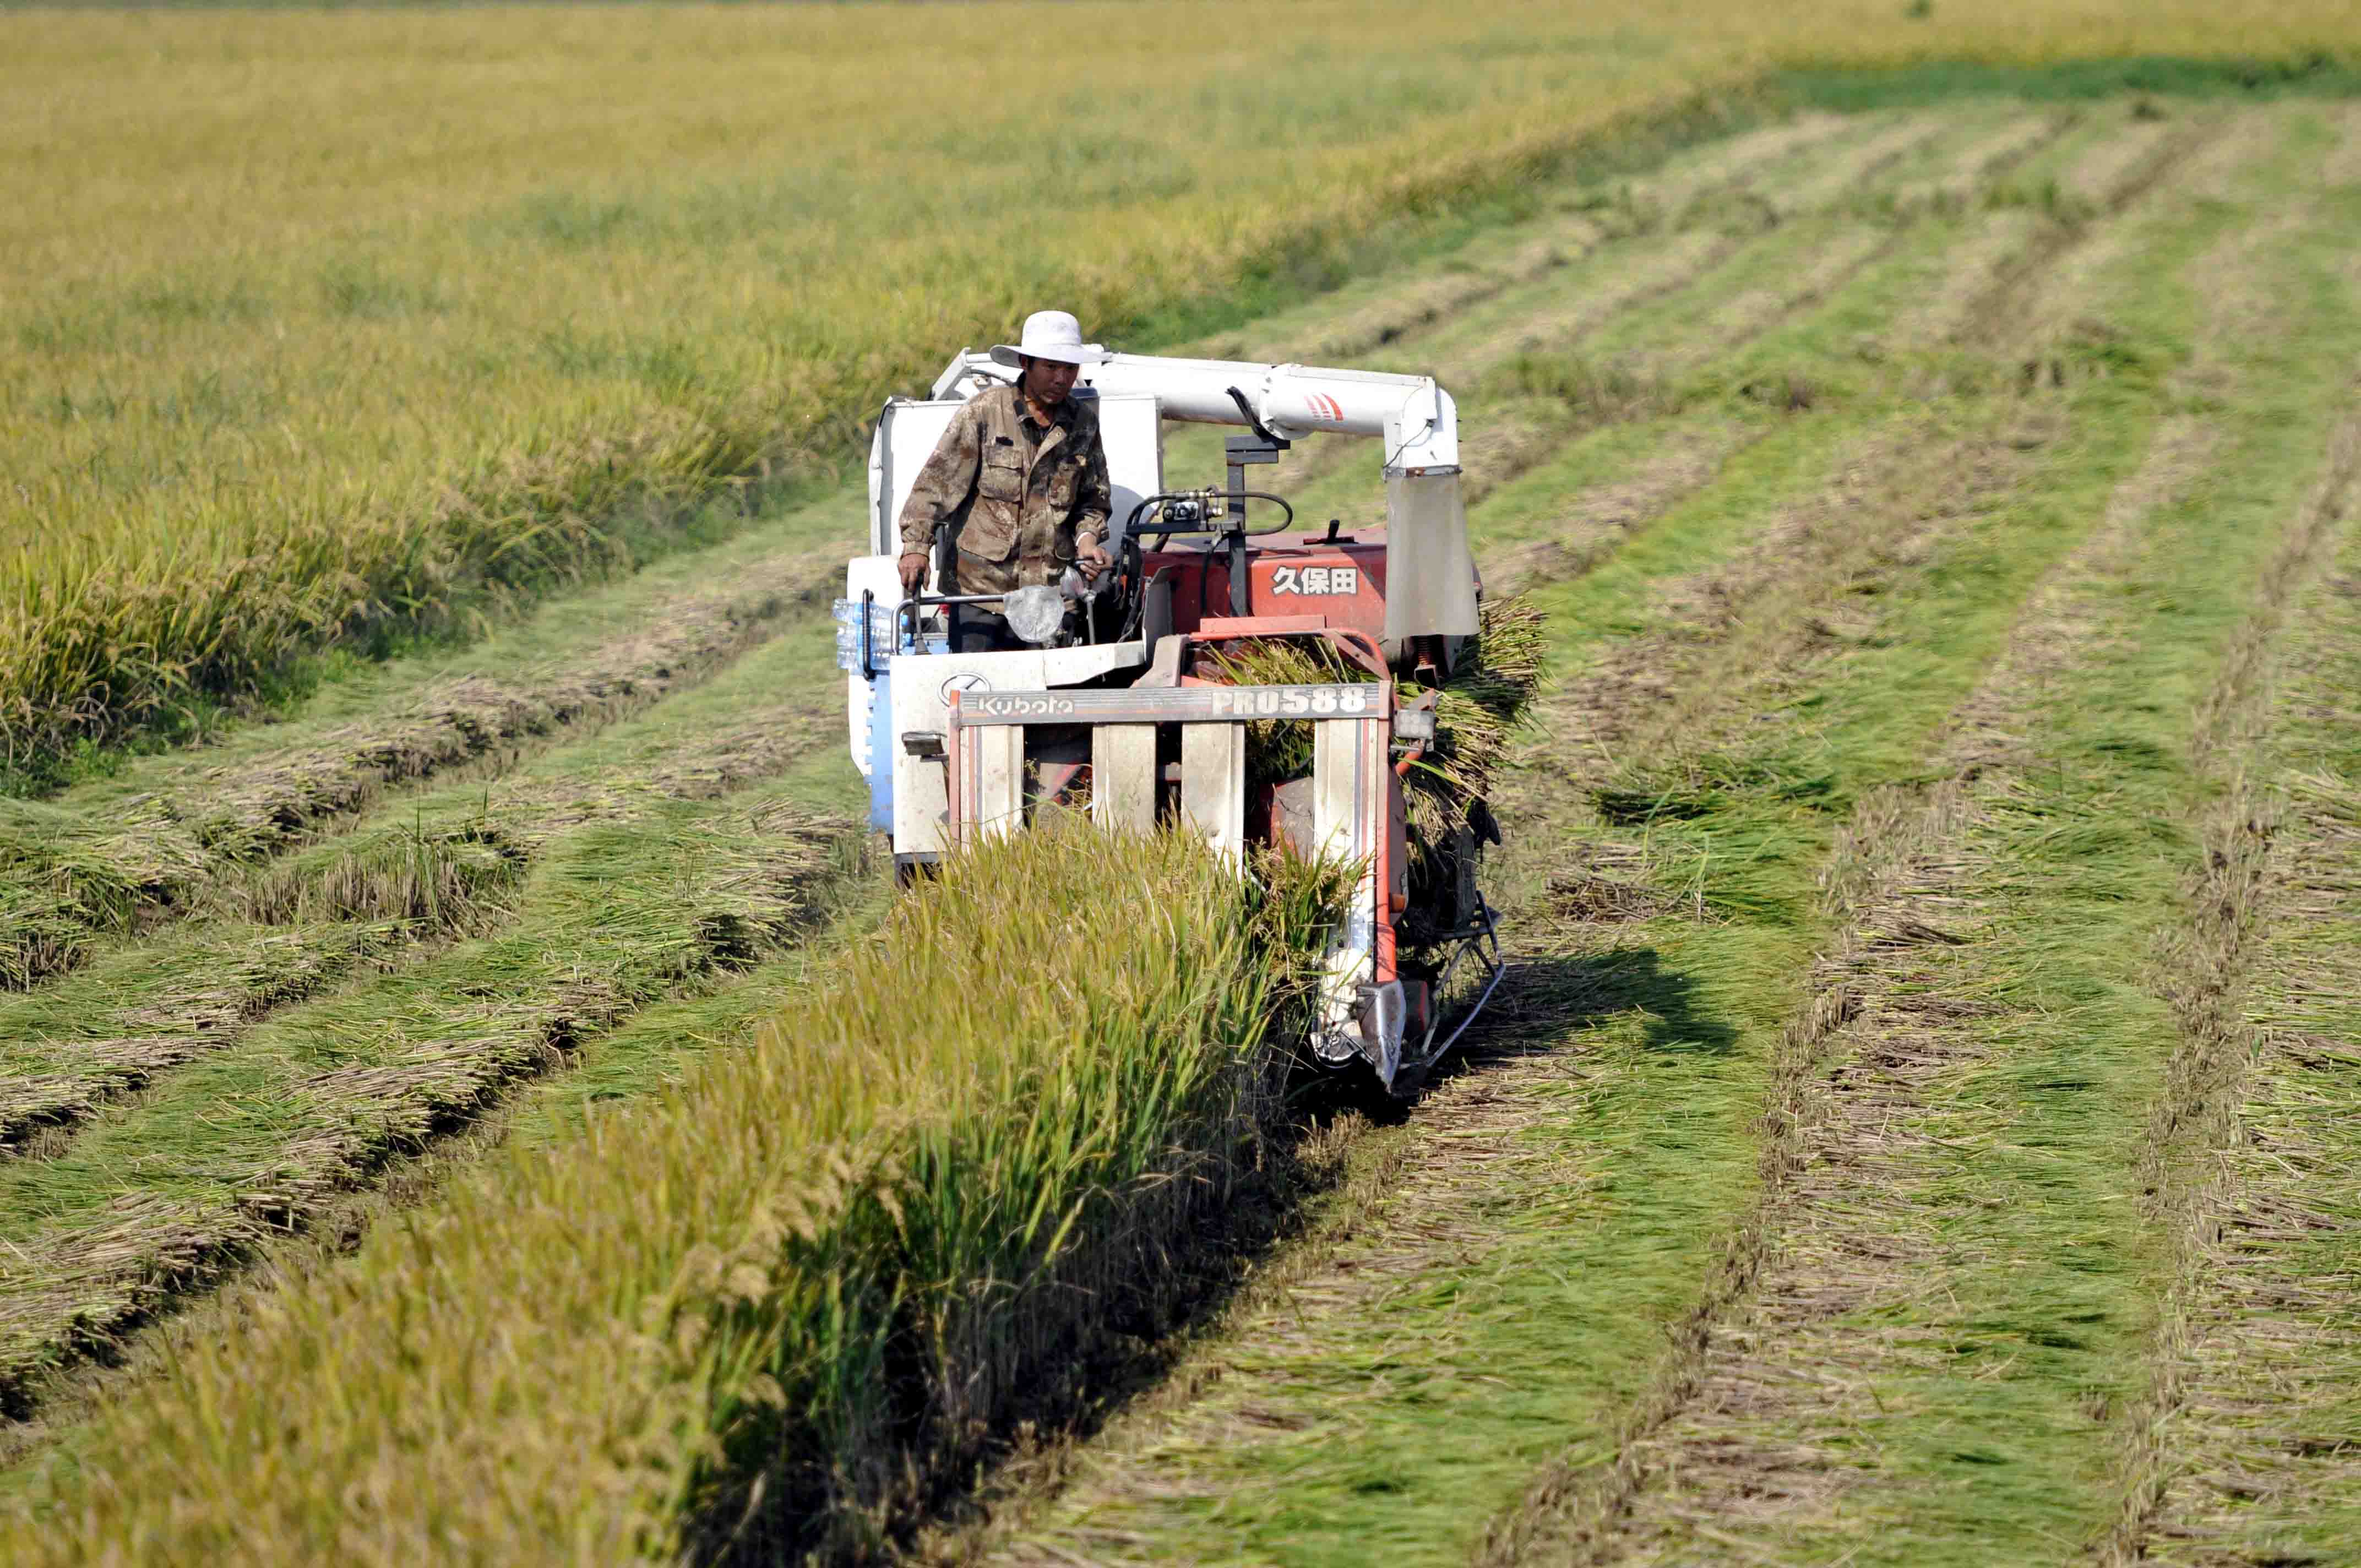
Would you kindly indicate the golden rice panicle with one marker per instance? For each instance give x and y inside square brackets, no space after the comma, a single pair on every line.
[300,377]
[819,1267]
[1277,749]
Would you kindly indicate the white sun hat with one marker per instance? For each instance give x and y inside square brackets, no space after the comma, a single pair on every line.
[1053,334]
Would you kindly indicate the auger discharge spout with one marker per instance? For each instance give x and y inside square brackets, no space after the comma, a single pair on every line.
[1429,571]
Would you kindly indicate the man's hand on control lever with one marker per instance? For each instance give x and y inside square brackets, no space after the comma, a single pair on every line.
[914,571]
[1093,560]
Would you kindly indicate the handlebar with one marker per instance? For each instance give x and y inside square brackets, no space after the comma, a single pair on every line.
[1210,522]
[906,620]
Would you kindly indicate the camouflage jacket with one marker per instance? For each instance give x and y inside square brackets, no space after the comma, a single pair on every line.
[1020,495]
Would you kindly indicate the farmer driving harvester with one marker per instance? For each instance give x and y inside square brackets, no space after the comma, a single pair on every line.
[1019,478]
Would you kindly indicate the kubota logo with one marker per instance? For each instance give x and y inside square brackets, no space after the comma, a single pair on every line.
[1019,705]
[1330,580]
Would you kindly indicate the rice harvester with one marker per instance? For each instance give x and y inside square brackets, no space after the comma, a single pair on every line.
[1127,693]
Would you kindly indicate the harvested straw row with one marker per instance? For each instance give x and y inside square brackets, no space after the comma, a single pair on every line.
[760,1314]
[70,871]
[272,1125]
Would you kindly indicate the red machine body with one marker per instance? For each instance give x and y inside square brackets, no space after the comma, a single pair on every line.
[1337,582]
[1299,584]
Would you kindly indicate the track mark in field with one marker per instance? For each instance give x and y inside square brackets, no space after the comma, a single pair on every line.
[1985,159]
[2016,301]
[1737,164]
[1998,242]
[1399,312]
[294,1137]
[1648,270]
[1742,317]
[1856,165]
[1997,237]
[2070,613]
[2226,1187]
[2096,179]
[1517,437]
[155,856]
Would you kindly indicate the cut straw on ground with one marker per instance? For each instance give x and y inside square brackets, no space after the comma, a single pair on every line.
[271,1128]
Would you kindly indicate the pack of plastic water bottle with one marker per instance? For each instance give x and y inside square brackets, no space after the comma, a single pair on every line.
[846,613]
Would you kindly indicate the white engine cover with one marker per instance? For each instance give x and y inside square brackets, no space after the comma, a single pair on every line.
[922,685]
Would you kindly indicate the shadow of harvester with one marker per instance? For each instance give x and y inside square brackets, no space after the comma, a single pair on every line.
[1545,997]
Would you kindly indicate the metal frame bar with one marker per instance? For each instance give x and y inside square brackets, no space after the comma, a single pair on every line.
[1354,794]
[1204,704]
[1215,800]
[1480,940]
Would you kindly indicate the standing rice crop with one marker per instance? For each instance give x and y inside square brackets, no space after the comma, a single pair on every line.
[763,1314]
[320,323]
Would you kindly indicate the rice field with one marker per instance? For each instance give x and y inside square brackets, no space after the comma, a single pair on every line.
[549,290]
[497,1109]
